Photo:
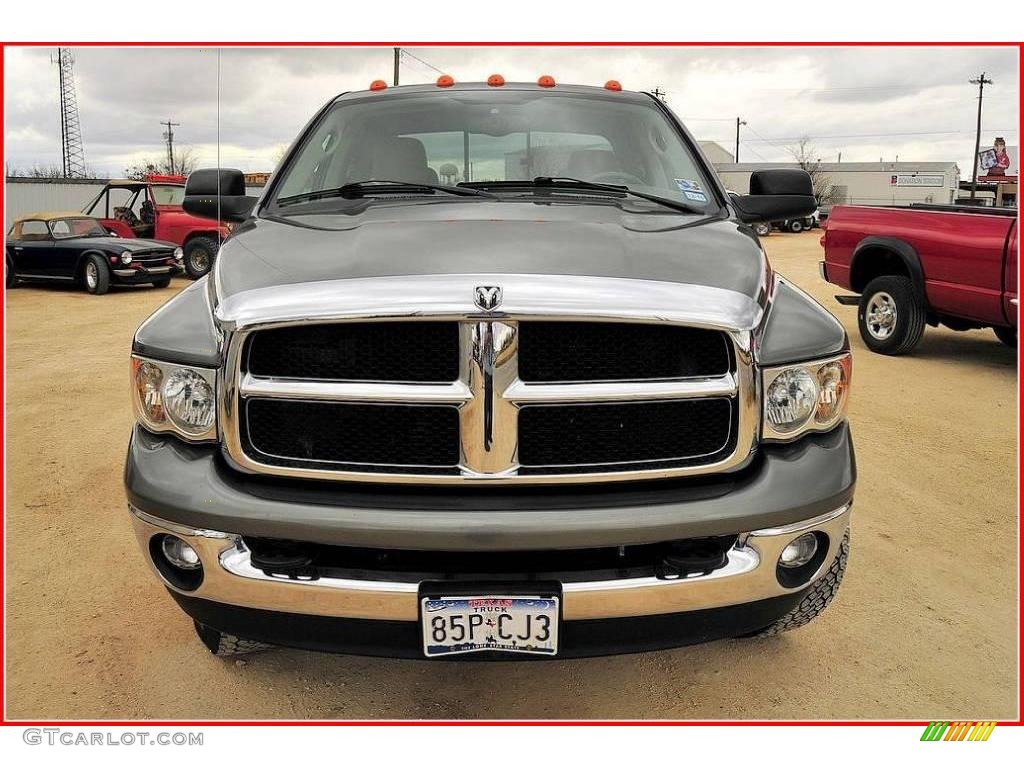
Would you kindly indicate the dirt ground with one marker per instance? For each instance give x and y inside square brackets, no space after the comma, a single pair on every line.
[924,626]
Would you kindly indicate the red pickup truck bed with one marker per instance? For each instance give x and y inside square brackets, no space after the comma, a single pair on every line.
[949,265]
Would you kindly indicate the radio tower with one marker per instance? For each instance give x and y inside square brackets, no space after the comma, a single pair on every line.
[72,149]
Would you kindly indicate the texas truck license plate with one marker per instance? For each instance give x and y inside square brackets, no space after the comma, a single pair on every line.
[513,624]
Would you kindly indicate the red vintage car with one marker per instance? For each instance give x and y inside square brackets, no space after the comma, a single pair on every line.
[151,208]
[924,265]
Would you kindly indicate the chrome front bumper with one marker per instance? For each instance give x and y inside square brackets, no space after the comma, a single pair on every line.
[749,575]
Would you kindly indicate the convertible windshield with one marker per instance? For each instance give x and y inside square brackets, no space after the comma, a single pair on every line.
[478,136]
[76,227]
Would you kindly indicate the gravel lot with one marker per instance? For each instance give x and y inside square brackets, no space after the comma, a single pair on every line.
[923,628]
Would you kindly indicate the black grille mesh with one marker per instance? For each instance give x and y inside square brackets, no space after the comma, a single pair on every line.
[393,351]
[574,351]
[288,432]
[620,433]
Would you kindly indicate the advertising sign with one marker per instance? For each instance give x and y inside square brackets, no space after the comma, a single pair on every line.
[917,180]
[998,160]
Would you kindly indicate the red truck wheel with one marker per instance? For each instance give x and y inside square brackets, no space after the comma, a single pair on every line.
[890,317]
[1006,335]
[199,255]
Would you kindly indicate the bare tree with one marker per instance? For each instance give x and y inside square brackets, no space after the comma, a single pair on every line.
[806,157]
[184,163]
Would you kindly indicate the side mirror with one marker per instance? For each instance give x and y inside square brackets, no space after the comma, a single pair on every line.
[780,193]
[211,188]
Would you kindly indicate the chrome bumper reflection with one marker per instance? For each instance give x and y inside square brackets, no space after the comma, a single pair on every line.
[747,576]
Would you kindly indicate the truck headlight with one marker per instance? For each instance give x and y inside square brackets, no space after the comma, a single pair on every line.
[175,398]
[808,397]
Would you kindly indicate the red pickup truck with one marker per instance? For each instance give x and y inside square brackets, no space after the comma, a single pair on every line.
[150,208]
[924,265]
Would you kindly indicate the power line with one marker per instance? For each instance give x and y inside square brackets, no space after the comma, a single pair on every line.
[421,61]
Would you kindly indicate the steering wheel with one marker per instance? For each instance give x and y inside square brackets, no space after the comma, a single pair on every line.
[618,177]
[127,216]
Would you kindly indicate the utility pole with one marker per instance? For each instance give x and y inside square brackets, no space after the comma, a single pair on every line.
[738,124]
[398,59]
[981,82]
[659,93]
[169,138]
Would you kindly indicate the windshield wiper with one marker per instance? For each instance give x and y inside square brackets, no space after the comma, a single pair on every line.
[359,189]
[567,183]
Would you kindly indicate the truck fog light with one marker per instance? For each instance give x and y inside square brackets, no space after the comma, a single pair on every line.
[800,551]
[189,401]
[179,553]
[790,399]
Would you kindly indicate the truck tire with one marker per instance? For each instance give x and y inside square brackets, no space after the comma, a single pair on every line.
[1006,335]
[222,644]
[96,275]
[821,592]
[199,254]
[763,228]
[796,226]
[890,317]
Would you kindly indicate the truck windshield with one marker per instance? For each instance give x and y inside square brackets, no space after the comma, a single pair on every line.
[480,136]
[167,194]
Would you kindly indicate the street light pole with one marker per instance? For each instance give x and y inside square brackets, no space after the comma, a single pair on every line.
[738,124]
[398,59]
[981,82]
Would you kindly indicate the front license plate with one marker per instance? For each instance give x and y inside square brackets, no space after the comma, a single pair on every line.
[513,624]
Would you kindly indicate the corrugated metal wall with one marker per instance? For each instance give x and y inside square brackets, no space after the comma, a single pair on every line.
[23,196]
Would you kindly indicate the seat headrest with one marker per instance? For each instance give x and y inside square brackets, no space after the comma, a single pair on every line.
[587,163]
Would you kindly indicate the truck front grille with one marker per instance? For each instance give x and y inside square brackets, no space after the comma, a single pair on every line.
[301,433]
[414,352]
[672,432]
[487,400]
[571,351]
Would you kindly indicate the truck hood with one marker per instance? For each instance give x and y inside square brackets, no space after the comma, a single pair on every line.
[493,238]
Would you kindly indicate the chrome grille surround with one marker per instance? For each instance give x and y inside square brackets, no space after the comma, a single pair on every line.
[488,392]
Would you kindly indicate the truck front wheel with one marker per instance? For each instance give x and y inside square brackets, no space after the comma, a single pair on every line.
[821,592]
[199,254]
[890,316]
[222,644]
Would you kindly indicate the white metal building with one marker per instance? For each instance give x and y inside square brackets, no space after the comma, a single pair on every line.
[866,183]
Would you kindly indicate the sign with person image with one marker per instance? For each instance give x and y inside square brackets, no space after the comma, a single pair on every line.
[998,160]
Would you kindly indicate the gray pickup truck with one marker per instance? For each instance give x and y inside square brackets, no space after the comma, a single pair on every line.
[492,368]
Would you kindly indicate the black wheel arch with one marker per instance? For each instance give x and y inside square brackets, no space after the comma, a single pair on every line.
[875,256]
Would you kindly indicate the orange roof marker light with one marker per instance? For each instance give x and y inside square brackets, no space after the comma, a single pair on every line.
[445,81]
[546,81]
[378,85]
[495,81]
[613,85]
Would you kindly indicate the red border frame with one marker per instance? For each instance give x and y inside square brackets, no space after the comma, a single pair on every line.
[422,44]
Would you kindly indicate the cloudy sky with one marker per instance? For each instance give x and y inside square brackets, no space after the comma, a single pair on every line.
[867,103]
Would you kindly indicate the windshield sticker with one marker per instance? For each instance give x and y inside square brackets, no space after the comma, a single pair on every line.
[691,190]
